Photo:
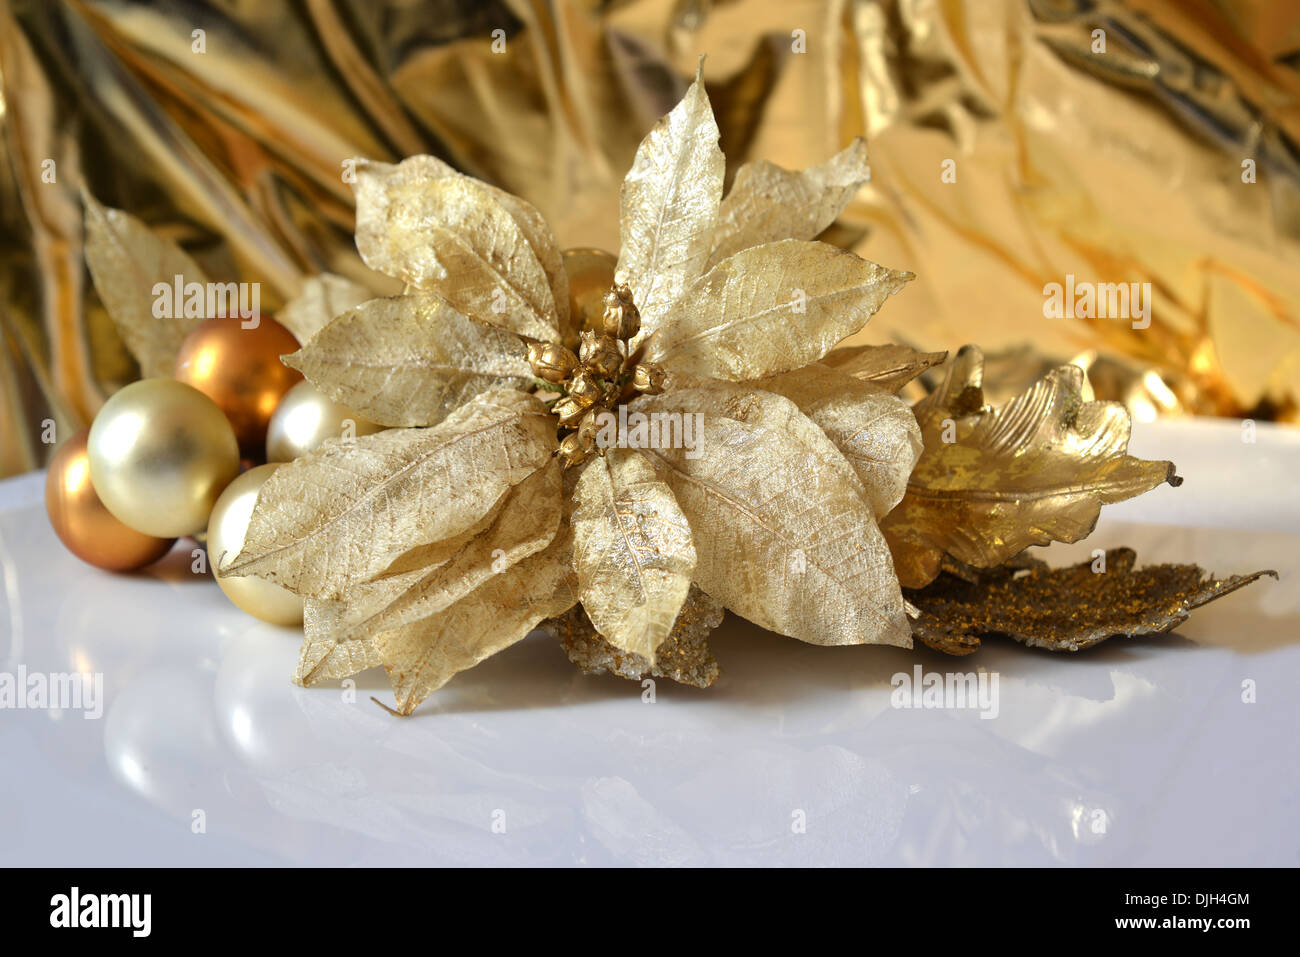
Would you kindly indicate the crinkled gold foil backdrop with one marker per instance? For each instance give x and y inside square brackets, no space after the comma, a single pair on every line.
[1012,145]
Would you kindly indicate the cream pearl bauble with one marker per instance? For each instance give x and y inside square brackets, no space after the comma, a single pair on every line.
[226,530]
[305,419]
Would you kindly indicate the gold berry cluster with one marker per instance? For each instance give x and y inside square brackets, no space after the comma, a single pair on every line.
[604,373]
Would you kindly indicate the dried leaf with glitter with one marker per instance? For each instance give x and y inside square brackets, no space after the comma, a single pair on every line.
[767,203]
[335,643]
[684,656]
[410,360]
[889,366]
[669,205]
[423,656]
[342,514]
[327,652]
[874,429]
[321,299]
[522,525]
[452,235]
[1064,609]
[992,482]
[632,551]
[783,537]
[773,308]
[127,260]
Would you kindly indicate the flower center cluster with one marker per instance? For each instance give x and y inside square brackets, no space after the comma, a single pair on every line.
[604,373]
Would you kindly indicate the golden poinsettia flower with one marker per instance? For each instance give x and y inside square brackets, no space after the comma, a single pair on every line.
[696,437]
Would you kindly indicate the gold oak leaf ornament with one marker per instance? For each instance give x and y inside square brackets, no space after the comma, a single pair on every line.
[517,485]
[1063,609]
[992,482]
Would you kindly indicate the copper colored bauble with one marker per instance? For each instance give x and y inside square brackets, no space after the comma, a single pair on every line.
[82,522]
[226,530]
[160,454]
[591,273]
[305,419]
[240,370]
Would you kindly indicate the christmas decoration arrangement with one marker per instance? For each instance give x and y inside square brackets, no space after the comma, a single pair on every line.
[616,449]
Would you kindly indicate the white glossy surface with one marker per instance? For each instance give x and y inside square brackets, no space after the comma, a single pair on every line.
[200,715]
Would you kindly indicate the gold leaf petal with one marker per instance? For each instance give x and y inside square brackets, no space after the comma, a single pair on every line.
[783,536]
[526,216]
[632,551]
[874,429]
[889,366]
[767,202]
[327,654]
[755,404]
[539,236]
[423,656]
[684,656]
[410,360]
[991,482]
[127,259]
[342,514]
[334,646]
[773,308]
[321,299]
[524,524]
[668,207]
[1065,609]
[452,235]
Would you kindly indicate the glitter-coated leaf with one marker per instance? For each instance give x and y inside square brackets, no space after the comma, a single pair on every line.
[783,536]
[127,259]
[759,406]
[772,308]
[684,656]
[874,429]
[889,366]
[334,645]
[410,360]
[327,653]
[342,514]
[423,656]
[991,482]
[632,551]
[668,207]
[321,299]
[452,235]
[1064,609]
[523,525]
[767,203]
[425,169]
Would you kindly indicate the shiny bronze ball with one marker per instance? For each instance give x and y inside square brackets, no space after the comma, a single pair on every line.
[81,521]
[240,370]
[160,453]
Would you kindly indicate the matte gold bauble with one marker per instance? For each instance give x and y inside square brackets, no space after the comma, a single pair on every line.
[240,370]
[81,521]
[160,453]
[305,419]
[226,530]
[591,274]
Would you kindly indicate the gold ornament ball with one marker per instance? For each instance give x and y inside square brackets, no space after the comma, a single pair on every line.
[305,419]
[160,453]
[240,370]
[226,530]
[591,274]
[81,521]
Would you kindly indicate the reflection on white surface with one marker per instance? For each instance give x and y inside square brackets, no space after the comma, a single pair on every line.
[1138,752]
